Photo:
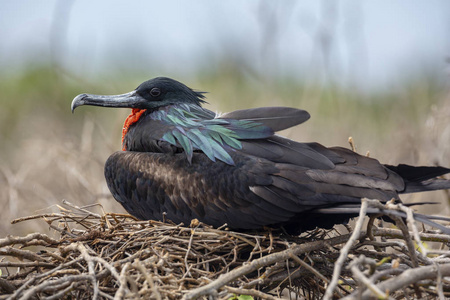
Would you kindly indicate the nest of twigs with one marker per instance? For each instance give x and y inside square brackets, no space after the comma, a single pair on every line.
[112,256]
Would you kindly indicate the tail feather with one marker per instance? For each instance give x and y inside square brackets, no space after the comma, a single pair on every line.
[420,179]
[411,173]
[426,185]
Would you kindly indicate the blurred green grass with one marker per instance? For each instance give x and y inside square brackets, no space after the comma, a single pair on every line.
[48,154]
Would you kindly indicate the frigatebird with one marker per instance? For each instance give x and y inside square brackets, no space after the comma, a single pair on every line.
[181,162]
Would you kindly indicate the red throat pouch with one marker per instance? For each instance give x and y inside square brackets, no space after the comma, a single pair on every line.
[136,113]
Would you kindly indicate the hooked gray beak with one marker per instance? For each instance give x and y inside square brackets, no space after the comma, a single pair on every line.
[130,100]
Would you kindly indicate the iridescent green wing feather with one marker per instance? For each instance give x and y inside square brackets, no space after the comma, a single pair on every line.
[193,128]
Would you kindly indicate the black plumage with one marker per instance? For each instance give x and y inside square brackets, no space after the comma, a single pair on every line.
[181,162]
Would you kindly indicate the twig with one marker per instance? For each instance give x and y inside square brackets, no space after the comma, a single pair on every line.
[22,254]
[352,143]
[82,209]
[407,238]
[439,288]
[40,216]
[358,275]
[395,233]
[120,294]
[11,240]
[138,265]
[344,251]
[411,224]
[187,252]
[254,293]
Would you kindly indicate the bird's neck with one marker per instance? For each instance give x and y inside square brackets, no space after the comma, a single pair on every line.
[136,113]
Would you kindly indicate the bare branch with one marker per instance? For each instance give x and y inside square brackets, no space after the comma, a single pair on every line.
[344,251]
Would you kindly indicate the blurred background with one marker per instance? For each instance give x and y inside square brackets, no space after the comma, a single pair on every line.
[374,70]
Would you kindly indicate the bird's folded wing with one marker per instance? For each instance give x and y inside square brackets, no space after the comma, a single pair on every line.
[276,118]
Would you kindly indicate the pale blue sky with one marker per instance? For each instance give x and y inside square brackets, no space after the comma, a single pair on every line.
[372,41]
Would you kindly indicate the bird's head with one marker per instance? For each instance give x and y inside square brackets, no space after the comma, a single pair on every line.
[152,94]
[149,96]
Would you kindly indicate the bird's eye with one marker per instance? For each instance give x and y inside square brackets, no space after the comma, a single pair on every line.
[155,92]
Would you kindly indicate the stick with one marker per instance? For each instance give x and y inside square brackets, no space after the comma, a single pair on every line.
[344,251]
[254,293]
